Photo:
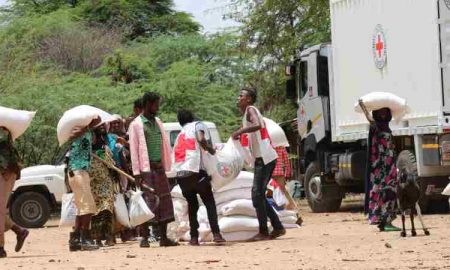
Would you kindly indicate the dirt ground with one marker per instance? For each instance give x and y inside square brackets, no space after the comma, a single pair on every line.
[326,241]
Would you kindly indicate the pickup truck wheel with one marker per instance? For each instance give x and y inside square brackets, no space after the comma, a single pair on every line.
[30,210]
[406,161]
[321,199]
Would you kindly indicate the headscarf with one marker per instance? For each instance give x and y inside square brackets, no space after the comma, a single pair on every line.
[382,125]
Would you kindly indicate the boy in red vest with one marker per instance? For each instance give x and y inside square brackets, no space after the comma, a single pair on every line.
[256,137]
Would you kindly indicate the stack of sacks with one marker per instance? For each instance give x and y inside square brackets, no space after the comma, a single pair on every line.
[180,228]
[237,216]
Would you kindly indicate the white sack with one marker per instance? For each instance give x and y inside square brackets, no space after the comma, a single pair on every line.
[287,213]
[378,100]
[241,207]
[239,236]
[276,133]
[80,116]
[288,220]
[68,211]
[203,236]
[243,180]
[232,195]
[16,121]
[238,223]
[121,210]
[279,197]
[139,211]
[225,165]
[177,193]
[446,190]
[291,226]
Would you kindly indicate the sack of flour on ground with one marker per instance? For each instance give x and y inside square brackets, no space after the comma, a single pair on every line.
[378,100]
[68,211]
[80,116]
[243,180]
[242,207]
[16,121]
[232,195]
[225,165]
[238,223]
[239,236]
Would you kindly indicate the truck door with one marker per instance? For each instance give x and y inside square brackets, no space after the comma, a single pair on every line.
[311,118]
[444,28]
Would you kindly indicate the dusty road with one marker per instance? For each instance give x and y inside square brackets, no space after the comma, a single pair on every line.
[326,241]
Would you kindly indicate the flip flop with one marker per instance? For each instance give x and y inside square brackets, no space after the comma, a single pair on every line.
[391,228]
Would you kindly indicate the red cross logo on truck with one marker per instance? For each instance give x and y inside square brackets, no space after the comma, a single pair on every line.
[379,47]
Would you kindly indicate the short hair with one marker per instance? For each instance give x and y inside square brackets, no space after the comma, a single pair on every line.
[185,117]
[150,97]
[138,103]
[251,92]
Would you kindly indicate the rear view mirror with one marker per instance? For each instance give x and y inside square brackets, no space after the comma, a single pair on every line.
[290,70]
[291,92]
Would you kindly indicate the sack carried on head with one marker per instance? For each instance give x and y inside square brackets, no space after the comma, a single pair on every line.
[16,121]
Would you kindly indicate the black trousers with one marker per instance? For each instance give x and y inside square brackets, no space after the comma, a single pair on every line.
[264,210]
[199,183]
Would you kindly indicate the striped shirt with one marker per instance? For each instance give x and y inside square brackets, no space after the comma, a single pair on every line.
[153,139]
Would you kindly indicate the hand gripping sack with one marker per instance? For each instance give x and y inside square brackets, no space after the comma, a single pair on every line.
[16,121]
[225,165]
[68,211]
[121,210]
[80,116]
[139,211]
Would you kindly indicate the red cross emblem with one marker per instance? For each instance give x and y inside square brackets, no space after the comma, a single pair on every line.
[379,47]
[182,146]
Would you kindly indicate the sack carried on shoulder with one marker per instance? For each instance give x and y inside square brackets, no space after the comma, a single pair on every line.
[139,211]
[68,211]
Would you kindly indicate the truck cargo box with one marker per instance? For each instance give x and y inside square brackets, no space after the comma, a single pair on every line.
[397,46]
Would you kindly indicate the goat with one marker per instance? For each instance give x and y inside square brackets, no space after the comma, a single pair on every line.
[408,194]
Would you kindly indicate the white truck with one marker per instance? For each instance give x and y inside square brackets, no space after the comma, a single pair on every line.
[396,46]
[39,191]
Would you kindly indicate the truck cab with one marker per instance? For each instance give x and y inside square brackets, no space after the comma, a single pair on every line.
[324,165]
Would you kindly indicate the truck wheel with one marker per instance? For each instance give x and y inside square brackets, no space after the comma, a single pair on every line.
[30,210]
[320,199]
[407,161]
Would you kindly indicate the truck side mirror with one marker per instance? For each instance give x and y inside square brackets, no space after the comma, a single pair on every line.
[290,70]
[291,92]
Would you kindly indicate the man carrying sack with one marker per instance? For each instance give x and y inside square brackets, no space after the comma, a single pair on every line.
[9,171]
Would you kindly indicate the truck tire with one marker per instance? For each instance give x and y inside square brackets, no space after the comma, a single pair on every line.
[30,209]
[320,199]
[406,160]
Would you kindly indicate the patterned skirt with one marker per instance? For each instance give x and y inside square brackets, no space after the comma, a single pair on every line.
[157,180]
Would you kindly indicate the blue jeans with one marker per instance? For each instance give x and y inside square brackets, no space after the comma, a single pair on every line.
[264,210]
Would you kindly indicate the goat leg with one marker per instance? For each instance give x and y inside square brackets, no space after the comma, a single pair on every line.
[403,233]
[413,229]
[419,214]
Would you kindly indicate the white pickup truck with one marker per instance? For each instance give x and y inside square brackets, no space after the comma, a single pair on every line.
[39,191]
